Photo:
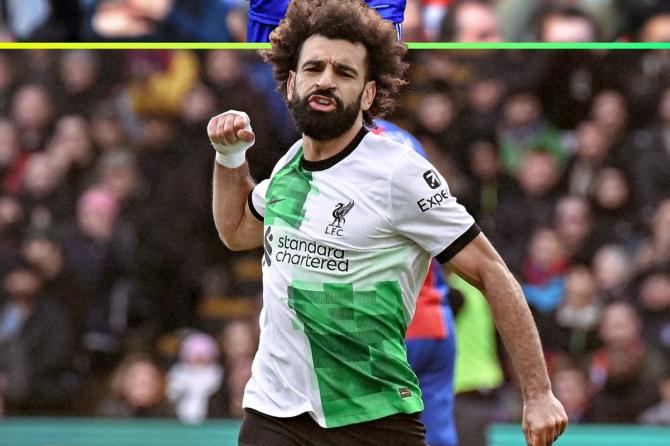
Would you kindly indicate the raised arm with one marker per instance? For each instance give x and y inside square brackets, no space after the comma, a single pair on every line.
[231,136]
[544,418]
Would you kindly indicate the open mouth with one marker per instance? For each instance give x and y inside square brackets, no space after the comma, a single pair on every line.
[322,103]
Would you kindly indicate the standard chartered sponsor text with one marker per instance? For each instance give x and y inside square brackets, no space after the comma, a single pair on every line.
[310,254]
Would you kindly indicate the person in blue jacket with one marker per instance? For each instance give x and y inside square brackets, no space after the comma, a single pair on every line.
[265,15]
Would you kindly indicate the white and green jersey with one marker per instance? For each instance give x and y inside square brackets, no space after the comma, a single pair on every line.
[347,244]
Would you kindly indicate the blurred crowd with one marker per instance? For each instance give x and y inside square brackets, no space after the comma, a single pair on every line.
[118,299]
[425,20]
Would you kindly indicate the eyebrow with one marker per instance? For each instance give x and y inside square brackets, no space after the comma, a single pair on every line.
[339,66]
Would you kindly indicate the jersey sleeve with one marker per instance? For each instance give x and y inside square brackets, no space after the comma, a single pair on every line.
[423,209]
[256,199]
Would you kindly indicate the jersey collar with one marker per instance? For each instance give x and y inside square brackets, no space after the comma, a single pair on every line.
[339,156]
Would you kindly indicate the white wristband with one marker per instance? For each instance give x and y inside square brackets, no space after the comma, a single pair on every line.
[231,160]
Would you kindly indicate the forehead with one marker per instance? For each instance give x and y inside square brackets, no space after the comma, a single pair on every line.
[340,51]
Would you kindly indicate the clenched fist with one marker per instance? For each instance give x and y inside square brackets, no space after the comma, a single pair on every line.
[231,136]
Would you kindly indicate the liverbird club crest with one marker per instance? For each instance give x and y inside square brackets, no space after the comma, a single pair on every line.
[339,213]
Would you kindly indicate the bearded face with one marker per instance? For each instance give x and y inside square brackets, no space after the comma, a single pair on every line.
[322,115]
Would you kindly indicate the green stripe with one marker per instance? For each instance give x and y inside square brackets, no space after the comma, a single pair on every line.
[410,45]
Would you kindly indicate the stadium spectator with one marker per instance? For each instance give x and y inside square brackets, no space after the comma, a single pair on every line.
[470,21]
[34,364]
[626,370]
[573,390]
[612,269]
[655,249]
[566,24]
[195,378]
[137,390]
[572,328]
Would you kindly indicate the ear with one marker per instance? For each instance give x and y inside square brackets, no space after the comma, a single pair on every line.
[290,84]
[369,92]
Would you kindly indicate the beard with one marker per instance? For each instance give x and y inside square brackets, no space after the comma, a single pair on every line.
[323,126]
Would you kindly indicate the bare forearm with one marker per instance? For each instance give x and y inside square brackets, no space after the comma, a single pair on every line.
[517,328]
[231,189]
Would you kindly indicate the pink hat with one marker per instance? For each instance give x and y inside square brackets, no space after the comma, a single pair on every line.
[198,344]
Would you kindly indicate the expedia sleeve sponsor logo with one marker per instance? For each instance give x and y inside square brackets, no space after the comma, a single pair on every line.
[431,179]
[426,204]
[310,255]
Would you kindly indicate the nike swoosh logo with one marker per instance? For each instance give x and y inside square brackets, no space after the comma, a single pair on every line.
[275,200]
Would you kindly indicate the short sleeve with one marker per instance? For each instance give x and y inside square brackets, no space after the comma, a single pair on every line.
[423,209]
[256,199]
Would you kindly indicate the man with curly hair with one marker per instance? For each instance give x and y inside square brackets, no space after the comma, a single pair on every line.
[349,222]
[265,15]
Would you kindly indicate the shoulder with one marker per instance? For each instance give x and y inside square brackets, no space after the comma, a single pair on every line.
[385,147]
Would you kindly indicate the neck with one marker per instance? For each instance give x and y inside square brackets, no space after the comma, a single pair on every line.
[316,150]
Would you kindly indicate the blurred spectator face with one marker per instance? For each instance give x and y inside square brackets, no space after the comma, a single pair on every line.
[655,292]
[609,108]
[664,107]
[573,219]
[31,107]
[9,143]
[413,25]
[592,144]
[96,214]
[42,176]
[538,174]
[119,175]
[485,95]
[611,266]
[572,389]
[106,130]
[22,284]
[238,341]
[73,140]
[611,189]
[546,248]
[436,112]
[580,287]
[484,162]
[78,70]
[157,134]
[567,28]
[521,109]
[142,384]
[11,213]
[656,29]
[199,105]
[45,254]
[620,325]
[476,22]
[223,67]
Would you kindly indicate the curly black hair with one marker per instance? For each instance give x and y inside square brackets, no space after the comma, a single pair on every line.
[351,20]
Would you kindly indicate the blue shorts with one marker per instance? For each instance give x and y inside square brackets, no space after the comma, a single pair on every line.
[260,32]
[433,362]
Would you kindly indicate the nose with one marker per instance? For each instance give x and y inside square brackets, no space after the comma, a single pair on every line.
[327,78]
